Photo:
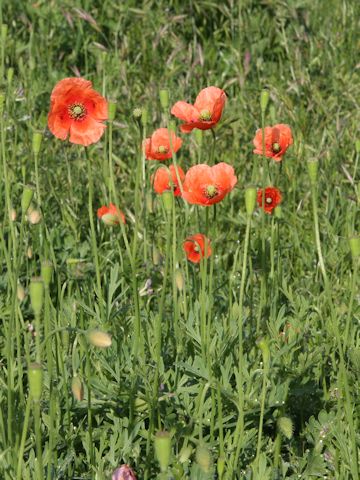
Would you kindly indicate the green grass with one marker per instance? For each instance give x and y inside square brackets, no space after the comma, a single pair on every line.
[295,360]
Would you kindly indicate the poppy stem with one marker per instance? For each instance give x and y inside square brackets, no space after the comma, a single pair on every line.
[212,157]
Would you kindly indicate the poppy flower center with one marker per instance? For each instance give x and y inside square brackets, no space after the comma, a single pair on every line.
[276,147]
[269,200]
[211,191]
[162,149]
[205,115]
[77,111]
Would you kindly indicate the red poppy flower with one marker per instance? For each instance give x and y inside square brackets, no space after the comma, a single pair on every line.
[205,113]
[78,110]
[205,185]
[194,247]
[111,215]
[167,179]
[277,140]
[272,198]
[158,147]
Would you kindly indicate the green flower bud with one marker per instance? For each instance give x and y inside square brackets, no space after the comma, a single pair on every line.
[26,198]
[203,458]
[264,100]
[164,98]
[354,243]
[36,142]
[36,290]
[162,444]
[185,454]
[250,200]
[46,272]
[112,111]
[286,427]
[313,170]
[35,376]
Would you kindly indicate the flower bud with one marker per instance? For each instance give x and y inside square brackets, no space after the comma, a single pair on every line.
[185,454]
[26,198]
[286,427]
[112,111]
[163,449]
[313,170]
[203,458]
[77,389]
[46,272]
[198,136]
[144,117]
[20,292]
[36,290]
[164,98]
[36,142]
[167,198]
[220,467]
[250,200]
[123,473]
[29,253]
[97,338]
[354,243]
[35,376]
[264,100]
[264,347]
[34,217]
[13,214]
[179,279]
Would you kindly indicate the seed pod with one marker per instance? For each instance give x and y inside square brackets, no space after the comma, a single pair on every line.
[36,142]
[264,100]
[35,375]
[163,449]
[111,110]
[250,200]
[164,98]
[26,198]
[36,290]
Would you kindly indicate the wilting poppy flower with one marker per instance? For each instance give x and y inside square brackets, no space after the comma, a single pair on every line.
[272,198]
[111,215]
[158,147]
[167,179]
[123,473]
[277,140]
[78,110]
[205,113]
[194,247]
[205,185]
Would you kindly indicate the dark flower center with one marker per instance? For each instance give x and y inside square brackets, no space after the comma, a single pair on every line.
[276,147]
[77,111]
[211,191]
[205,115]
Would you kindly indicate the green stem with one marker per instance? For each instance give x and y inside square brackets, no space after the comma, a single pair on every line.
[38,441]
[20,452]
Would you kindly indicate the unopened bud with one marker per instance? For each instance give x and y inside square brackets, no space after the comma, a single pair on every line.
[13,214]
[36,142]
[111,111]
[185,454]
[20,292]
[313,170]
[46,272]
[163,449]
[29,253]
[264,347]
[26,198]
[36,290]
[167,198]
[264,100]
[250,200]
[179,279]
[34,217]
[35,376]
[354,243]
[164,98]
[203,458]
[77,389]
[286,427]
[97,338]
